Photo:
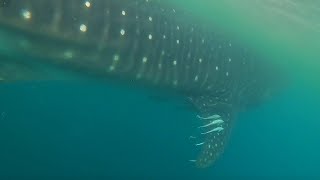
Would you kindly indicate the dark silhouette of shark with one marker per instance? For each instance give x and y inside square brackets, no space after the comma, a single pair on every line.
[147,42]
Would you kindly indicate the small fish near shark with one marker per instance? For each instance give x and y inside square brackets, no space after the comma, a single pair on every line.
[147,42]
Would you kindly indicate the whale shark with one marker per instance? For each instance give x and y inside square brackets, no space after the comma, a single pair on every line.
[148,42]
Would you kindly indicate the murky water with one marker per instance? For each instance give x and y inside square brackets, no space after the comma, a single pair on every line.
[285,31]
[92,130]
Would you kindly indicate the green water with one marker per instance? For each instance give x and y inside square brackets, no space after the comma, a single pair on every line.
[91,130]
[286,32]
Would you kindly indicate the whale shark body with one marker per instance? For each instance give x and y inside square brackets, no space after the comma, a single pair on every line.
[148,42]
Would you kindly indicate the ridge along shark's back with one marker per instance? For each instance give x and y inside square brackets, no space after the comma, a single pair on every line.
[143,41]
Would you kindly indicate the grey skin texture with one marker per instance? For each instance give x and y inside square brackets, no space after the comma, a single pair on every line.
[146,42]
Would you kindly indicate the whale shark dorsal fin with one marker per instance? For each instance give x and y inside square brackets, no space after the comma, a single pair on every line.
[216,114]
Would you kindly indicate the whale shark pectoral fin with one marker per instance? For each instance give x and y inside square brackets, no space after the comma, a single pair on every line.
[216,119]
[215,139]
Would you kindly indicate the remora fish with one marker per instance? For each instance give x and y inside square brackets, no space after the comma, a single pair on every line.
[140,41]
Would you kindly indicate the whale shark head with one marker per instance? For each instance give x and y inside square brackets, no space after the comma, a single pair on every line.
[147,42]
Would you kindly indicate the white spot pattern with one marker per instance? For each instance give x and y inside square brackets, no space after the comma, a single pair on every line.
[175,51]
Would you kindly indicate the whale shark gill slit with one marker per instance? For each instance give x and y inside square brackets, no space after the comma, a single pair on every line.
[138,41]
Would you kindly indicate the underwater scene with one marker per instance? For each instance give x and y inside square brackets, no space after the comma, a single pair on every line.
[159,89]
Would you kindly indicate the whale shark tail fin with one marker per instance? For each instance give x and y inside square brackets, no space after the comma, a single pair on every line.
[216,116]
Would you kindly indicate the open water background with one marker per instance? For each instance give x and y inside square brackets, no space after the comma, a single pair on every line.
[92,130]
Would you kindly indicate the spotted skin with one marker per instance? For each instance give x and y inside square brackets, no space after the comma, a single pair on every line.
[145,41]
